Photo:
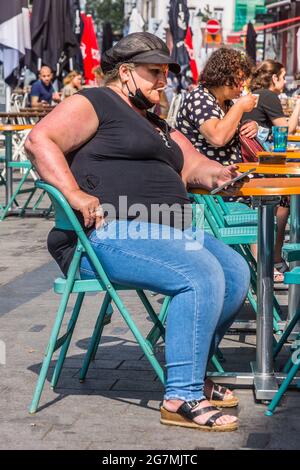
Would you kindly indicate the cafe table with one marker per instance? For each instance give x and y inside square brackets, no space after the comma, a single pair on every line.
[22,114]
[287,169]
[8,130]
[289,154]
[267,192]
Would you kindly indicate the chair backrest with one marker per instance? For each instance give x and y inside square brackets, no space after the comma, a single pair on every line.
[222,204]
[209,217]
[174,108]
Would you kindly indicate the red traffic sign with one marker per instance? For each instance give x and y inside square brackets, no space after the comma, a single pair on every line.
[213,26]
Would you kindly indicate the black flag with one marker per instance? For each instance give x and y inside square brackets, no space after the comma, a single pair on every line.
[251,42]
[52,36]
[179,21]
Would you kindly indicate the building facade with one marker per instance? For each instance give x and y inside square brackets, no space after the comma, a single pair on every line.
[157,11]
[246,10]
[286,36]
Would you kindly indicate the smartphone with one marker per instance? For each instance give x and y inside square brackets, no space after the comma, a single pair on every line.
[234,180]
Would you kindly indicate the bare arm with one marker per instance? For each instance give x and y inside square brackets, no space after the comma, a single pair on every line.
[66,128]
[35,102]
[198,170]
[220,131]
[292,122]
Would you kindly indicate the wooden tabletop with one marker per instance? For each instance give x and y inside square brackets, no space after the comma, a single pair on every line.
[295,153]
[12,127]
[23,114]
[264,187]
[294,138]
[40,107]
[284,168]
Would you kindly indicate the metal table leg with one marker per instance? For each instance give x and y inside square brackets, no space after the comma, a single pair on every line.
[264,379]
[294,290]
[8,169]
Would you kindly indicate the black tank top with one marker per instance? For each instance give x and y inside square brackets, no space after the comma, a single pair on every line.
[128,158]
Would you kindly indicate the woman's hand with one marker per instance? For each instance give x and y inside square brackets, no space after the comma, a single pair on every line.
[89,206]
[249,129]
[247,102]
[227,173]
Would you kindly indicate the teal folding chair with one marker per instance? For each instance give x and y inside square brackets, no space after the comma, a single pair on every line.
[27,193]
[233,207]
[66,219]
[291,252]
[72,284]
[30,192]
[238,218]
[240,238]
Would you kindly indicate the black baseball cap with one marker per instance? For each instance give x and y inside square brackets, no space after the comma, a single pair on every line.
[138,48]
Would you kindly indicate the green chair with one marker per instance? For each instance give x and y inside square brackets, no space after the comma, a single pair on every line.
[27,168]
[235,217]
[66,219]
[240,238]
[20,190]
[233,207]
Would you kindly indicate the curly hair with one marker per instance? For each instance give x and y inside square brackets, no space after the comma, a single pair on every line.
[262,75]
[224,67]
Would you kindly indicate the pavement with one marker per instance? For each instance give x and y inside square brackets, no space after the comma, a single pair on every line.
[118,405]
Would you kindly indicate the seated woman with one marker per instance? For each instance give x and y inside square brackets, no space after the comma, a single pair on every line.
[268,82]
[209,118]
[72,84]
[126,173]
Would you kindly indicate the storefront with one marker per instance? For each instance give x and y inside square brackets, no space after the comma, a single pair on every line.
[285,32]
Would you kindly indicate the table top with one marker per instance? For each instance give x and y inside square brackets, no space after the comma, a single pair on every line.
[13,127]
[40,107]
[294,138]
[284,168]
[13,116]
[288,154]
[264,187]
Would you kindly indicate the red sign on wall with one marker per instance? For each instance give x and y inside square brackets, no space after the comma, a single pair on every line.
[213,27]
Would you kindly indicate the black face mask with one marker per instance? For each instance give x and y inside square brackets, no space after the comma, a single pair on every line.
[138,99]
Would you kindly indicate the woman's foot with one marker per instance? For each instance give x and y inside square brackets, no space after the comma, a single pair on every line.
[219,396]
[280,268]
[196,414]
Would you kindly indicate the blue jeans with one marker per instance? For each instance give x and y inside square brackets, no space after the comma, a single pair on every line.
[208,282]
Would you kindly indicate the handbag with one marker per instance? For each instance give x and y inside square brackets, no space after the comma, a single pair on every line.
[249,148]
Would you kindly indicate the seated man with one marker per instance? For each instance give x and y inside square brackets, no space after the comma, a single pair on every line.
[42,91]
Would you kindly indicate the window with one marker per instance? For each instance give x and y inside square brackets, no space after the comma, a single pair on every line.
[240,17]
[218,14]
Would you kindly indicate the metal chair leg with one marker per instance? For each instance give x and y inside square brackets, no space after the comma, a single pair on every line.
[68,337]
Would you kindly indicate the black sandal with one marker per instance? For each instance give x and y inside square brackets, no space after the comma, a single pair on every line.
[216,395]
[187,412]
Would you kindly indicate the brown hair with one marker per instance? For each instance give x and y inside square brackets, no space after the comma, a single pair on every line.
[114,75]
[223,67]
[97,71]
[262,75]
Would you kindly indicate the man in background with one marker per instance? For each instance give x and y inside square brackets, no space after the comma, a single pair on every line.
[42,91]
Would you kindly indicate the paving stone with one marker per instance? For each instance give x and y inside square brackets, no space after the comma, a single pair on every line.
[117,407]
